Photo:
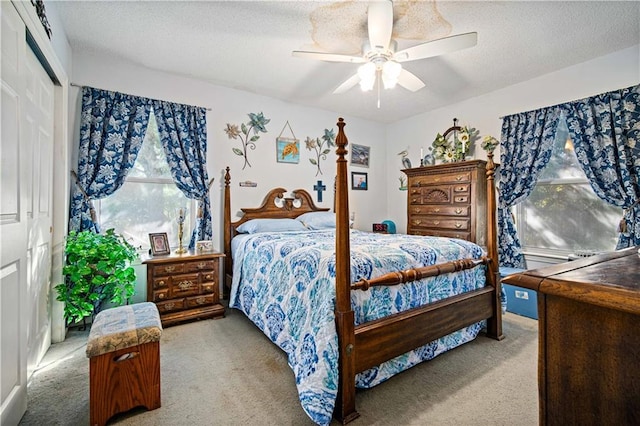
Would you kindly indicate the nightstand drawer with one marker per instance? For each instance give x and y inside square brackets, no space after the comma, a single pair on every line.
[204,299]
[160,295]
[184,285]
[203,265]
[174,268]
[170,305]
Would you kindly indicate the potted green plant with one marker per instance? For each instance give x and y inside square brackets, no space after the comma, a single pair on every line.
[97,269]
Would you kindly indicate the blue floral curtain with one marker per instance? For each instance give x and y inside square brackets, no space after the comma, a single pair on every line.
[111,133]
[183,132]
[606,135]
[525,148]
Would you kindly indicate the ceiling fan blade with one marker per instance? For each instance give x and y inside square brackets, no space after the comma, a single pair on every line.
[409,81]
[329,57]
[352,81]
[380,24]
[437,47]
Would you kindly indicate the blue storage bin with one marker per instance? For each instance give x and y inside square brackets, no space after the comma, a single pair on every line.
[521,301]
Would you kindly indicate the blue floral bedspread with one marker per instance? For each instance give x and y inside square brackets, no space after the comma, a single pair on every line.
[285,283]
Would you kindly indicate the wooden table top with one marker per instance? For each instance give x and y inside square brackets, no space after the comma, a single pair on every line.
[610,280]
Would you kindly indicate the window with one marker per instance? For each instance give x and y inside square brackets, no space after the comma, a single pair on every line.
[149,200]
[563,214]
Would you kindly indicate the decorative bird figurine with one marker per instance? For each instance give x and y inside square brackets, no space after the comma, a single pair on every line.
[405,158]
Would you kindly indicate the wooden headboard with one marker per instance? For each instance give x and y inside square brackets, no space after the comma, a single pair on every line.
[274,206]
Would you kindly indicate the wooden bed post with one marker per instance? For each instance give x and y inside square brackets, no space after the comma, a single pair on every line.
[228,262]
[345,410]
[494,324]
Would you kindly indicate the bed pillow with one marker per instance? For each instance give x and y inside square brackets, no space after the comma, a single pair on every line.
[318,220]
[254,226]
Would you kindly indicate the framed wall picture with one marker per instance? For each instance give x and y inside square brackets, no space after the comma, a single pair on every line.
[359,181]
[287,150]
[159,244]
[360,155]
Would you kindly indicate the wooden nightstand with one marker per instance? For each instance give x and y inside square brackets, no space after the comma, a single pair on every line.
[185,287]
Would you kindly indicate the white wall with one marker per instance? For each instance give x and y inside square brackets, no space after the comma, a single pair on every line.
[232,106]
[614,71]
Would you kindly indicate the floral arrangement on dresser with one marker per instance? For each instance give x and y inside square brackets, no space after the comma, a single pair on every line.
[454,144]
[489,143]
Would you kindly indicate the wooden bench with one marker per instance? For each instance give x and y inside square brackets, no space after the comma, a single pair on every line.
[124,361]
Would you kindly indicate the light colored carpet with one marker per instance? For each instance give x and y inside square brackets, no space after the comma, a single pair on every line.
[226,372]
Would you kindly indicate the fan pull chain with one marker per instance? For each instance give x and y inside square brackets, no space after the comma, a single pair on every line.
[378,77]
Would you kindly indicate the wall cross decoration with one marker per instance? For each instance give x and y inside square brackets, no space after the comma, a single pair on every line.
[319,187]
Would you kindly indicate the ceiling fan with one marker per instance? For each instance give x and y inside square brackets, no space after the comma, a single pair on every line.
[380,61]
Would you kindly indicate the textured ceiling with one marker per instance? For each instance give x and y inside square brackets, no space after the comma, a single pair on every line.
[247,45]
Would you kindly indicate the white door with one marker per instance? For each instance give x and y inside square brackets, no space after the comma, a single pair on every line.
[13,221]
[38,137]
[26,152]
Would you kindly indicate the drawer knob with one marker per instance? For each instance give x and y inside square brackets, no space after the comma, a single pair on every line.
[169,268]
[458,211]
[416,210]
[459,177]
[417,222]
[169,306]
[436,210]
[202,265]
[185,285]
[462,188]
[208,277]
[161,282]
[161,296]
[201,300]
[458,225]
[436,222]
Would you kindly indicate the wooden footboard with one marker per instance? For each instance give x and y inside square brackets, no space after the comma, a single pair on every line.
[377,341]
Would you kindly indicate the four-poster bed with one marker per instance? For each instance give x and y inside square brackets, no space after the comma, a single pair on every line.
[363,345]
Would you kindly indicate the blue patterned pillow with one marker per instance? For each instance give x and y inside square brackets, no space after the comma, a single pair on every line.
[270,225]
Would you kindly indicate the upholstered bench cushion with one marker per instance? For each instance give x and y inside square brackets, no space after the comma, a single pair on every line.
[123,327]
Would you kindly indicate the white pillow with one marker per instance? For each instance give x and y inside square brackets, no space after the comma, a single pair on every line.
[318,220]
[270,225]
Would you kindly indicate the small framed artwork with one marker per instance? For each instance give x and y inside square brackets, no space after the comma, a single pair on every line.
[159,244]
[360,155]
[287,150]
[359,181]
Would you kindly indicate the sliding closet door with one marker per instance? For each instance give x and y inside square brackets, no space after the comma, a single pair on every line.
[13,221]
[37,113]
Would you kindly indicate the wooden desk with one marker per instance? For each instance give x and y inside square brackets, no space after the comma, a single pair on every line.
[589,339]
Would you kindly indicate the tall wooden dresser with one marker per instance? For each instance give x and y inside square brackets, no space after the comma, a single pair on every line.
[448,200]
[185,287]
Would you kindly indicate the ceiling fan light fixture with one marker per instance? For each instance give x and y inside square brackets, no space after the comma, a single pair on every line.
[367,74]
[390,73]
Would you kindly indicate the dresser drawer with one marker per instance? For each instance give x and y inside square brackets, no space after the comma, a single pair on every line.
[445,223]
[462,211]
[438,233]
[209,287]
[459,189]
[443,178]
[463,199]
[202,265]
[184,285]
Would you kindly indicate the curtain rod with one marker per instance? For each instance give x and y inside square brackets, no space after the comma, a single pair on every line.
[80,85]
